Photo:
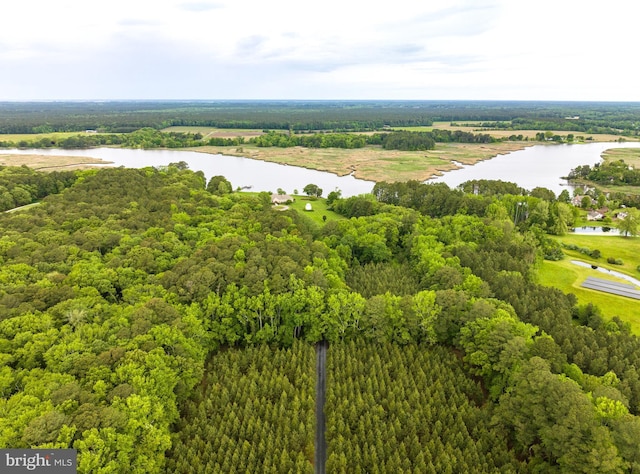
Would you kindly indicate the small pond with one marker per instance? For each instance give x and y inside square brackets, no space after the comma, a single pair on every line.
[628,278]
[593,230]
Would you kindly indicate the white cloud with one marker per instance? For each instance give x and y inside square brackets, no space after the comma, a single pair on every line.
[345,49]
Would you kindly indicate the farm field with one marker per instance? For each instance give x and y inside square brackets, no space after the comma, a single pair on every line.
[568,277]
[214,132]
[530,134]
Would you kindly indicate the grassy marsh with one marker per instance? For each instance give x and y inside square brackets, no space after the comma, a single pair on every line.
[372,162]
[49,162]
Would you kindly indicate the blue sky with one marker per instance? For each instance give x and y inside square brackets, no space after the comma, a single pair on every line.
[335,49]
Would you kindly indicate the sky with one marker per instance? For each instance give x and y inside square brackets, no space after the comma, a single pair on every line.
[331,50]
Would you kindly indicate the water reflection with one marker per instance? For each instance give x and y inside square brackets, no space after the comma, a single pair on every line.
[245,173]
[535,166]
[628,278]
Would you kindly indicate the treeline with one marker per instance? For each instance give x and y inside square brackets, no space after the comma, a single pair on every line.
[317,140]
[124,117]
[146,138]
[397,140]
[116,291]
[583,125]
[538,210]
[21,185]
[609,173]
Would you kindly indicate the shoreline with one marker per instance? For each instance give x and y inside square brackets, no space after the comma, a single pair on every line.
[375,164]
[367,163]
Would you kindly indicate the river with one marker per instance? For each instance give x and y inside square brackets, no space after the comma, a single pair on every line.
[535,166]
[255,175]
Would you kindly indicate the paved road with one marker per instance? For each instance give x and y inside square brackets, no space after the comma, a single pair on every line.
[321,388]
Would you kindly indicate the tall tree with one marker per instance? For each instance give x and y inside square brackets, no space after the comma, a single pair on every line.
[630,224]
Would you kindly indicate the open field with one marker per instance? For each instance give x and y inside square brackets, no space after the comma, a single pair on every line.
[530,134]
[31,137]
[319,207]
[372,162]
[624,248]
[631,156]
[568,277]
[209,132]
[50,163]
[213,132]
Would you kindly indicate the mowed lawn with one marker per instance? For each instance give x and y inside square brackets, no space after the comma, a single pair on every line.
[319,209]
[568,277]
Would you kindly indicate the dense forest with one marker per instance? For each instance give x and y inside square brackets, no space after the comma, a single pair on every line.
[118,117]
[158,324]
[146,138]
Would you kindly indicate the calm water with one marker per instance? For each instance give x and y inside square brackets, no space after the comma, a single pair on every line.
[630,279]
[535,166]
[241,172]
[592,230]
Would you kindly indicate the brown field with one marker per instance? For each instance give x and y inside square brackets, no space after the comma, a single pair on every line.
[50,163]
[530,134]
[212,132]
[373,163]
[16,137]
[209,132]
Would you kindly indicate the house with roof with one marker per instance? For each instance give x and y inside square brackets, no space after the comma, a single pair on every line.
[577,200]
[281,199]
[594,216]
